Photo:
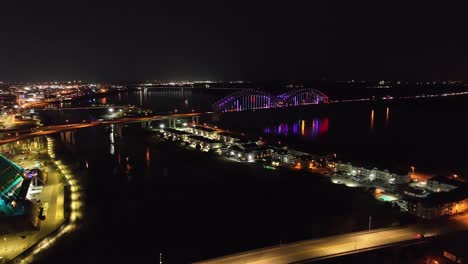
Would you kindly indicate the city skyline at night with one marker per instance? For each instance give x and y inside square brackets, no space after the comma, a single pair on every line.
[216,132]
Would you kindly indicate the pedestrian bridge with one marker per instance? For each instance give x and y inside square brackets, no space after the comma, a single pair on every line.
[252,99]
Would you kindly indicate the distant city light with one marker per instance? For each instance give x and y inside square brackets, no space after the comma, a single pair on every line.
[111,110]
[161,126]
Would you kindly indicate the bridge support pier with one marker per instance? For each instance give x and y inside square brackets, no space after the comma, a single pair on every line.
[171,123]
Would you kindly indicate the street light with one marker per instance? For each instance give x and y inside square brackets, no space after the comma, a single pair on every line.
[111,110]
[161,126]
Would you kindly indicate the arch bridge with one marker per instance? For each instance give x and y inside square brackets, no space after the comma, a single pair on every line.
[303,96]
[245,100]
[251,99]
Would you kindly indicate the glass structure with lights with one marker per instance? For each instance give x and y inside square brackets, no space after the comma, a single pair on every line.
[13,186]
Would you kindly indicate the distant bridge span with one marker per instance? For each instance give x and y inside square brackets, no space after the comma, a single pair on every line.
[251,99]
[81,108]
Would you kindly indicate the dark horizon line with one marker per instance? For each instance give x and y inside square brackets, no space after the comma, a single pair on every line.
[292,82]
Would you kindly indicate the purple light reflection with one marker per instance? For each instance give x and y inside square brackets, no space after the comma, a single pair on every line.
[303,128]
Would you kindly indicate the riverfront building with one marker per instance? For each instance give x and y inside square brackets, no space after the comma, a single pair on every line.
[447,197]
[441,184]
[175,134]
[228,137]
[373,174]
[203,143]
[438,204]
[249,152]
[204,131]
[14,184]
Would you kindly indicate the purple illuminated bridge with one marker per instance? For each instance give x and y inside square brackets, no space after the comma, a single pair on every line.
[251,99]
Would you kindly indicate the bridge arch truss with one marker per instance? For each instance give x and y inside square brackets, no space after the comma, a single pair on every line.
[302,96]
[246,100]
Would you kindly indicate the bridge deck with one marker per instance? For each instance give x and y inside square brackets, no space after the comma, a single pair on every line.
[341,244]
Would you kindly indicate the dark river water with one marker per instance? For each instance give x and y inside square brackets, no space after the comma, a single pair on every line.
[145,197]
[429,135]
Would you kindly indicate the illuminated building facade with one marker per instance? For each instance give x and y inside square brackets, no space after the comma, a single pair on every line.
[14,185]
[373,174]
[437,205]
[441,184]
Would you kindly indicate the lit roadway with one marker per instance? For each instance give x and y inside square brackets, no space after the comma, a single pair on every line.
[81,108]
[342,244]
[59,128]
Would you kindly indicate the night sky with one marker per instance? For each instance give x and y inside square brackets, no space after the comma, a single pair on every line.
[232,40]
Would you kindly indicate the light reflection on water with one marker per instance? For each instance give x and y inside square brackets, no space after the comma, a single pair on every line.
[304,128]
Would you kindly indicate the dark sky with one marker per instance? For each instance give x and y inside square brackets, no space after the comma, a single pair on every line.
[230,40]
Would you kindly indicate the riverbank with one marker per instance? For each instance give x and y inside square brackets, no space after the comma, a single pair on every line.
[334,208]
[63,214]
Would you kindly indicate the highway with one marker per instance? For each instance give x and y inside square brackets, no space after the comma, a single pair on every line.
[342,244]
[59,128]
[83,108]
